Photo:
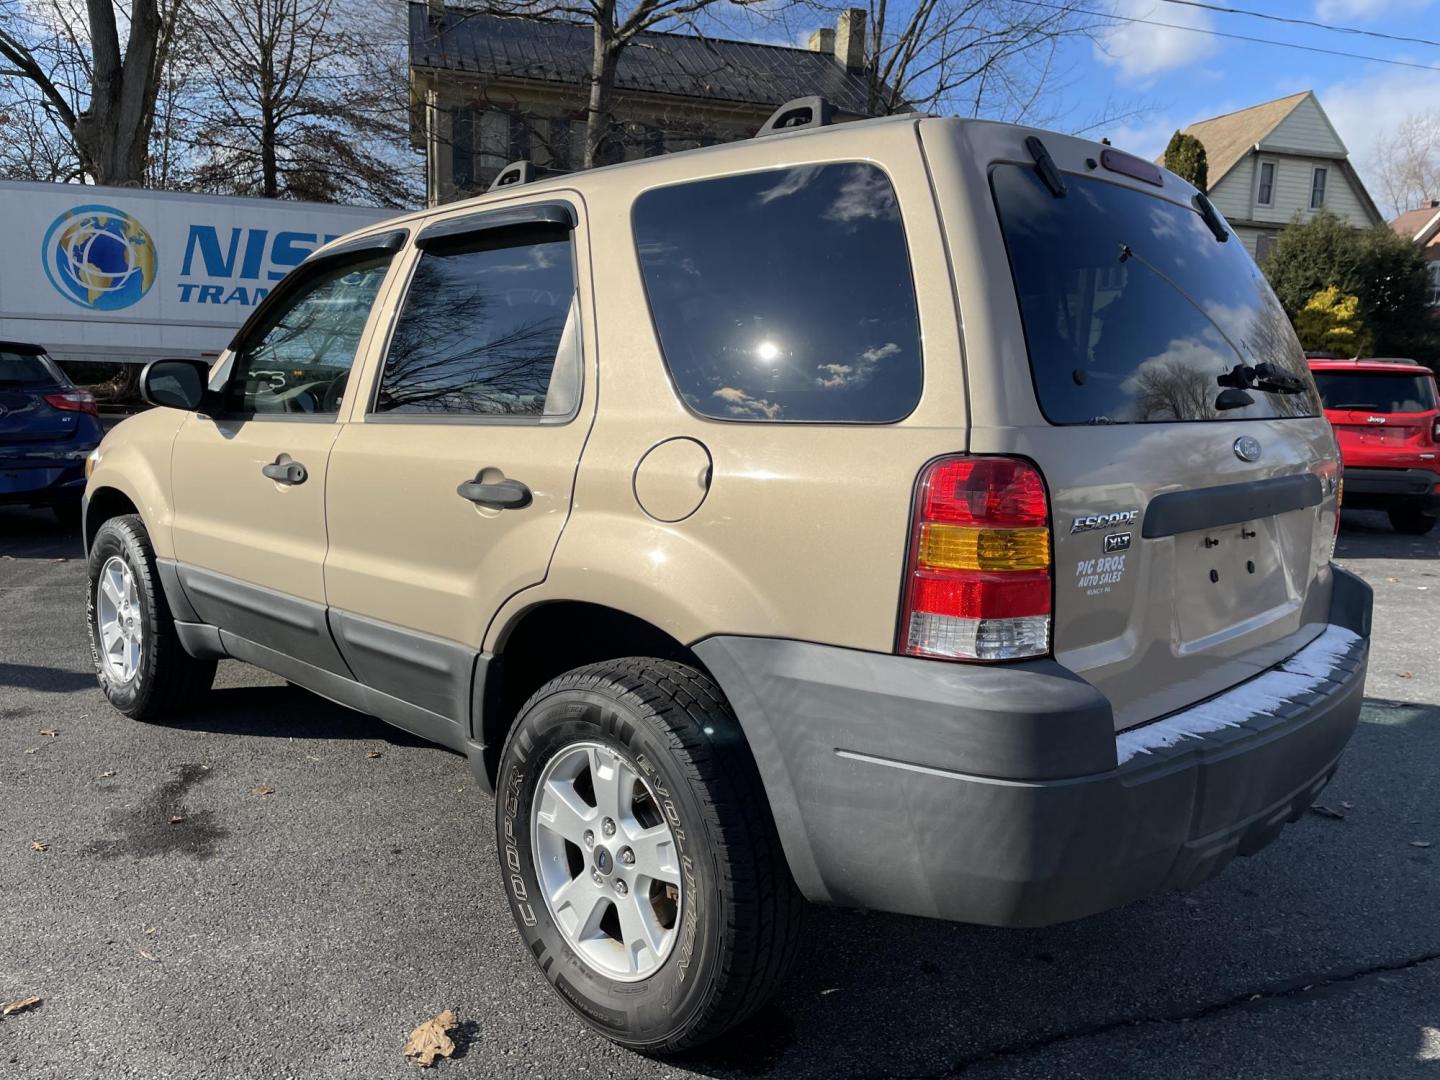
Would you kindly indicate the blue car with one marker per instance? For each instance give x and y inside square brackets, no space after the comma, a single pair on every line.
[47,428]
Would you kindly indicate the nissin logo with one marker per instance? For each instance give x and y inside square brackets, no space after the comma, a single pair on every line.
[247,256]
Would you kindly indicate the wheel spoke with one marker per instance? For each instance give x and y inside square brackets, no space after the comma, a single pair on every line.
[654,850]
[110,637]
[110,589]
[613,782]
[639,930]
[579,905]
[564,813]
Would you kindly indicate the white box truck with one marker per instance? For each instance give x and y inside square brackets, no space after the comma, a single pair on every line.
[127,275]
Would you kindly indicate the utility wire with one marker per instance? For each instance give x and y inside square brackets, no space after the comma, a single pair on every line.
[1233,37]
[1303,22]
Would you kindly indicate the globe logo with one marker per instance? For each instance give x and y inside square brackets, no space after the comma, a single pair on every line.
[99,257]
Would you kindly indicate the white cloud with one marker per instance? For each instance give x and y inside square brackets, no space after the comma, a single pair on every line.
[1360,10]
[1364,108]
[1142,50]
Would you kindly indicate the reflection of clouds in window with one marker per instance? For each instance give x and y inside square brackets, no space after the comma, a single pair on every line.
[739,403]
[858,373]
[792,183]
[1178,383]
[865,194]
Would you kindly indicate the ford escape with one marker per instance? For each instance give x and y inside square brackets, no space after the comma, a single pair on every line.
[918,515]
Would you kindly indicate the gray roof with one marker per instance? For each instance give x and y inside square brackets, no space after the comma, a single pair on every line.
[678,64]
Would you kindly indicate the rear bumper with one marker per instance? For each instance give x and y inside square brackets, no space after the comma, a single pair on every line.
[1383,488]
[1001,795]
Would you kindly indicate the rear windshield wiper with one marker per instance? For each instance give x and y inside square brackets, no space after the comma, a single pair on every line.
[1264,376]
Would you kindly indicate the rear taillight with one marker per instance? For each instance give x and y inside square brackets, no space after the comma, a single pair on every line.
[1435,431]
[977,583]
[73,401]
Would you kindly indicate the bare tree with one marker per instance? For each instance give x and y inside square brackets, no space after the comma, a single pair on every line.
[616,25]
[1406,161]
[100,96]
[297,101]
[993,58]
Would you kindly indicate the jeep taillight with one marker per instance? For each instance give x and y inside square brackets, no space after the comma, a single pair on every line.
[977,583]
[1435,431]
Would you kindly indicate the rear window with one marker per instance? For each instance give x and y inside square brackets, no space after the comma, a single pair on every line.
[784,295]
[27,369]
[1132,308]
[1376,391]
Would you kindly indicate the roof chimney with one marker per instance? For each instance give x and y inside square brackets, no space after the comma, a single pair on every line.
[1435,204]
[822,41]
[850,38]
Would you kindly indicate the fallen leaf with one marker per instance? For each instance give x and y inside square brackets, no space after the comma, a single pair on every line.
[105,775]
[39,845]
[262,790]
[176,820]
[146,956]
[1347,805]
[149,929]
[373,754]
[1392,579]
[8,558]
[1419,843]
[32,750]
[430,1040]
[50,731]
[1404,674]
[18,1006]
[1325,811]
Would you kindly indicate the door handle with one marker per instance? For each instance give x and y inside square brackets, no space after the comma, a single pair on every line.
[501,495]
[285,472]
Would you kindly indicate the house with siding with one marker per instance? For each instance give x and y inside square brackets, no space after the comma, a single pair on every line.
[1277,161]
[1422,228]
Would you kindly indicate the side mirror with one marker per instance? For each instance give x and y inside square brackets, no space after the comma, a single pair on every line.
[175,384]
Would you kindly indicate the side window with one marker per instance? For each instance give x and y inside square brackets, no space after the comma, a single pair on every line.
[784,295]
[489,328]
[298,359]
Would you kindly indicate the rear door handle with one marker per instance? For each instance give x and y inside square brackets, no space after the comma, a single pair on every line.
[501,495]
[286,472]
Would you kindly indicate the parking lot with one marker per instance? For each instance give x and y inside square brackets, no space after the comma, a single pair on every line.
[178,924]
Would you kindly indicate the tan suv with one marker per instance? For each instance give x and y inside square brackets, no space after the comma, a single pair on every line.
[921,515]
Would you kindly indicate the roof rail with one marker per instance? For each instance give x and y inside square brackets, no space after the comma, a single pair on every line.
[805,112]
[517,172]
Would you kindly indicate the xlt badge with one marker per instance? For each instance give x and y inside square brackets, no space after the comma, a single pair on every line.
[1117,542]
[1087,522]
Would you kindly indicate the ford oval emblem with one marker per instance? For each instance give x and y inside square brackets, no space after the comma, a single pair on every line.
[1247,449]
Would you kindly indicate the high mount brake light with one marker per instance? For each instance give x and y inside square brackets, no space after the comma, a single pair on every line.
[977,581]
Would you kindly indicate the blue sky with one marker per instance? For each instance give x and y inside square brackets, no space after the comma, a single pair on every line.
[1181,76]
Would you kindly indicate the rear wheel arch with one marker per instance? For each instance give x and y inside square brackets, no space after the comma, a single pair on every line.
[551,638]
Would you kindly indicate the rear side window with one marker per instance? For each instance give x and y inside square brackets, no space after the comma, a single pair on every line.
[1133,310]
[784,295]
[1378,391]
[27,369]
[489,328]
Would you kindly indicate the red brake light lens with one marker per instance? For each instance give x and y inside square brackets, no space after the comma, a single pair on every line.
[977,583]
[73,401]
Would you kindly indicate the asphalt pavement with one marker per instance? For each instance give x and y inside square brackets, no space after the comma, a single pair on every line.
[305,931]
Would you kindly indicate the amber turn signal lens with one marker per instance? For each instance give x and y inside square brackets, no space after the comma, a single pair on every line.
[954,547]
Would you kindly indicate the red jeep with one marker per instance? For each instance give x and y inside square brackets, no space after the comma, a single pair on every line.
[1387,422]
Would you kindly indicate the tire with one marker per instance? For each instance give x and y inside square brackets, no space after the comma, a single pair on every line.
[737,926]
[1412,521]
[165,680]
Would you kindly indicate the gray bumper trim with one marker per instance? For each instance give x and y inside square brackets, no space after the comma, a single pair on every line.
[884,776]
